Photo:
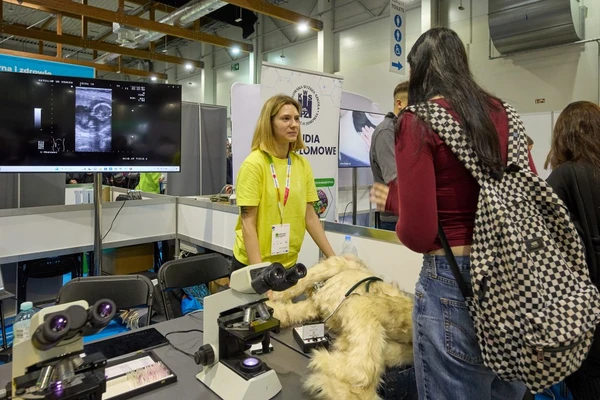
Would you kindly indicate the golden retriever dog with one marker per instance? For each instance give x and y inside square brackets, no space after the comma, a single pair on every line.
[372,327]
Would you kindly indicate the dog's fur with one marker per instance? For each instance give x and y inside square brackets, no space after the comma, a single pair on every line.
[372,330]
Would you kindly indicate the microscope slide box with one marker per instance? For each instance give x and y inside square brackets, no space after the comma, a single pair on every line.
[121,385]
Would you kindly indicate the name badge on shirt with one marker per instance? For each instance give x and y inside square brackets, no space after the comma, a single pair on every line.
[280,239]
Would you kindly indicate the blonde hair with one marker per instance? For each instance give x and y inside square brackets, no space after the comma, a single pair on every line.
[263,134]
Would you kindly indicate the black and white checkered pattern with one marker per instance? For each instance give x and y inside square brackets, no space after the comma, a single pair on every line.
[534,306]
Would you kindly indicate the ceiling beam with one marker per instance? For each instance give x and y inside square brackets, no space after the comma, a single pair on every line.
[48,22]
[153,5]
[92,44]
[99,67]
[266,8]
[110,31]
[59,31]
[125,19]
[51,11]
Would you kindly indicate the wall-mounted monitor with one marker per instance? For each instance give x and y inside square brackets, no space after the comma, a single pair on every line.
[62,124]
[356,129]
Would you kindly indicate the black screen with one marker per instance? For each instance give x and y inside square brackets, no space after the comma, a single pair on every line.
[52,123]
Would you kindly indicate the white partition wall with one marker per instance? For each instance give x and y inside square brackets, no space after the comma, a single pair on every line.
[43,231]
[539,127]
[382,253]
[207,224]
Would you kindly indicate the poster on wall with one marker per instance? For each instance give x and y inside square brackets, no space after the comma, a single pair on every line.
[397,37]
[32,66]
[319,96]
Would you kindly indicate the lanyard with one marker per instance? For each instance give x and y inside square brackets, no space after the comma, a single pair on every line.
[276,183]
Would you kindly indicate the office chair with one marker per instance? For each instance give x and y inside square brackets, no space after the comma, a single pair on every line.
[186,272]
[127,291]
[46,268]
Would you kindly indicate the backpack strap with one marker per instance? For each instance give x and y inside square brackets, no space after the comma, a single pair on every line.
[451,133]
[517,139]
[466,290]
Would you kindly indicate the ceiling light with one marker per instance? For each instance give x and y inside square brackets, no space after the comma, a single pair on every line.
[303,27]
[235,50]
[189,66]
[153,78]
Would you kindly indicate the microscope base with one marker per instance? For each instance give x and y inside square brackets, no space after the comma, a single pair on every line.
[230,386]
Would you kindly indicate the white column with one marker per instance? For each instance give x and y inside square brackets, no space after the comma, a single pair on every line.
[325,37]
[259,47]
[252,63]
[207,80]
[429,14]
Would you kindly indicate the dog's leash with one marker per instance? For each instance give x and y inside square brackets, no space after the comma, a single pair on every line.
[369,280]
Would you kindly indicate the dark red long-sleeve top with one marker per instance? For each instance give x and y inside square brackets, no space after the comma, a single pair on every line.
[432,183]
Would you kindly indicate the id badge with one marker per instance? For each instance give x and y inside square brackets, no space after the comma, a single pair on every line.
[280,239]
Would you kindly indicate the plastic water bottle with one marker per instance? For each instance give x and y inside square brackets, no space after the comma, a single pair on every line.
[23,322]
[348,247]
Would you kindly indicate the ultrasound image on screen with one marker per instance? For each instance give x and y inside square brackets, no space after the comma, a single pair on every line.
[93,119]
[55,123]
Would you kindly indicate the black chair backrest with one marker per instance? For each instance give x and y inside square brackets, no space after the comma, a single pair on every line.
[127,291]
[187,272]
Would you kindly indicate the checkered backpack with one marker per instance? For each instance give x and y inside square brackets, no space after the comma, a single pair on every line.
[531,299]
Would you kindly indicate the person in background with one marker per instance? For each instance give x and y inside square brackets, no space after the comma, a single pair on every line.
[229,176]
[575,161]
[529,143]
[383,160]
[275,191]
[448,360]
[80,178]
[150,182]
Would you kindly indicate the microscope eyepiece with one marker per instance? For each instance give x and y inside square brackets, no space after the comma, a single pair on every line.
[100,314]
[54,329]
[292,276]
[105,309]
[295,273]
[268,278]
[59,323]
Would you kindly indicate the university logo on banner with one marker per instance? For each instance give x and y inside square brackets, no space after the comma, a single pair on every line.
[310,105]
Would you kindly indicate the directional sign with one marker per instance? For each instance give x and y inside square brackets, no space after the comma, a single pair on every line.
[397,37]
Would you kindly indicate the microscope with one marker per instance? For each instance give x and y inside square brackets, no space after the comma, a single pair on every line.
[236,319]
[51,364]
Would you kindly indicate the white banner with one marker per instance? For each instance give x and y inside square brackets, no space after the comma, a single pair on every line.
[319,96]
[398,37]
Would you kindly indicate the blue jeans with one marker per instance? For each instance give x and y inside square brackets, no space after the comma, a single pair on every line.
[448,363]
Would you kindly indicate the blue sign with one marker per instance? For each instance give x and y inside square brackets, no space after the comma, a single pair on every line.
[398,21]
[33,66]
[397,42]
[398,35]
[398,50]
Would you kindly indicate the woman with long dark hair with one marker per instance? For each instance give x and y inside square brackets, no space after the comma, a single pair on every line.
[575,161]
[433,185]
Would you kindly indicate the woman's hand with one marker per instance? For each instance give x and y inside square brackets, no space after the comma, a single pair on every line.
[379,195]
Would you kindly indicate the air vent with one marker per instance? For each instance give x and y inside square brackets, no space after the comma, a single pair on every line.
[126,36]
[519,25]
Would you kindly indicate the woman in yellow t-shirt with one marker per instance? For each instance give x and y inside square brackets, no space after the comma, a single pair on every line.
[275,191]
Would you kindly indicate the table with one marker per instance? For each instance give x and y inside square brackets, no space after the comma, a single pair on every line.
[289,363]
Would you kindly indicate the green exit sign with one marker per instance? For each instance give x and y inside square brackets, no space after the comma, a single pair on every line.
[235,67]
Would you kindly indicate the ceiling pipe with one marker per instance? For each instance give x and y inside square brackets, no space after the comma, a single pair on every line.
[182,17]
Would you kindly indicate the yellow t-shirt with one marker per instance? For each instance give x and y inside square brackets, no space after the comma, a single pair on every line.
[254,187]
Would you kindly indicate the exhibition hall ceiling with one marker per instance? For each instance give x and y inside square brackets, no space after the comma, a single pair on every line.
[138,33]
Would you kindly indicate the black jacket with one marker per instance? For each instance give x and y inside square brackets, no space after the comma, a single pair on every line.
[578,185]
